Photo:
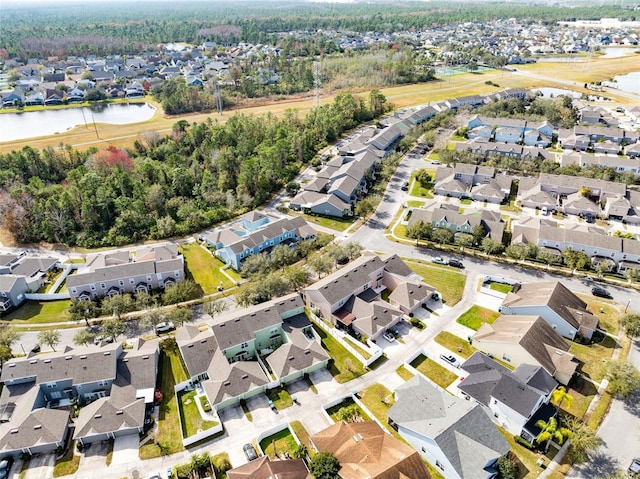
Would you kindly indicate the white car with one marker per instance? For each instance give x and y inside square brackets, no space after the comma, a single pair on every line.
[439,260]
[389,337]
[450,358]
[164,327]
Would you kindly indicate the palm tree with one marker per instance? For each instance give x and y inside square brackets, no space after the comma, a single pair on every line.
[560,395]
[551,430]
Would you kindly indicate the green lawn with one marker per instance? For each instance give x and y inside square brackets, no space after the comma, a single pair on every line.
[343,365]
[434,371]
[404,373]
[168,438]
[348,404]
[607,312]
[334,223]
[39,312]
[280,397]
[378,400]
[68,464]
[279,443]
[358,346]
[303,436]
[582,392]
[455,344]
[501,287]
[448,282]
[593,357]
[476,315]
[190,416]
[204,268]
[415,203]
[418,190]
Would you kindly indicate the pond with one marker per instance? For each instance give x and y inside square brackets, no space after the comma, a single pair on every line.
[554,92]
[629,82]
[17,126]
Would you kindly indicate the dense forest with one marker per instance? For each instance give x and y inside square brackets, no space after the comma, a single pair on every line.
[48,29]
[199,175]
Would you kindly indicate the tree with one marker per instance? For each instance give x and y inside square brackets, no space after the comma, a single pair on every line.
[517,251]
[50,337]
[365,206]
[144,300]
[491,246]
[152,319]
[180,292]
[324,465]
[216,306]
[420,231]
[605,266]
[83,310]
[623,378]
[463,240]
[507,468]
[5,353]
[179,316]
[320,264]
[83,337]
[584,440]
[292,188]
[112,328]
[575,259]
[632,274]
[423,177]
[560,395]
[117,305]
[631,324]
[300,451]
[442,235]
[479,233]
[296,277]
[551,430]
[8,336]
[353,249]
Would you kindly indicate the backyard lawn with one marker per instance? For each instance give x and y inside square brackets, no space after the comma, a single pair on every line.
[456,344]
[279,443]
[448,282]
[190,417]
[343,365]
[593,357]
[434,371]
[68,464]
[607,312]
[404,373]
[476,315]
[204,268]
[582,392]
[303,436]
[39,312]
[280,397]
[168,439]
[347,407]
[334,223]
[378,399]
[418,190]
[501,287]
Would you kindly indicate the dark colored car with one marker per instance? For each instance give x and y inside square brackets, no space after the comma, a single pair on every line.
[600,292]
[405,186]
[250,452]
[456,264]
[5,467]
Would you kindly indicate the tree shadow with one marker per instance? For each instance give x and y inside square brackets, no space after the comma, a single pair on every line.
[600,464]
[632,403]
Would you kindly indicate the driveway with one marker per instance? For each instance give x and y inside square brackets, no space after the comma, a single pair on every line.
[94,458]
[41,466]
[125,449]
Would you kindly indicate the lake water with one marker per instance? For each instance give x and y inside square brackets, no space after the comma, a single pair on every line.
[18,126]
[629,82]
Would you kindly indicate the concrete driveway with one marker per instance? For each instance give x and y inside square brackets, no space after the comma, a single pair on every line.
[41,466]
[125,449]
[94,457]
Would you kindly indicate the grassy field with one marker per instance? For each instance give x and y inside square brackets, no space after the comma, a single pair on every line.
[168,438]
[593,357]
[190,416]
[204,268]
[338,224]
[68,464]
[449,282]
[455,344]
[501,287]
[39,312]
[378,399]
[404,373]
[582,392]
[418,190]
[434,371]
[343,365]
[279,443]
[543,74]
[476,315]
[607,311]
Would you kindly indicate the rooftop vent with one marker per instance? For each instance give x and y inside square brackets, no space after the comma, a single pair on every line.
[290,358]
[203,341]
[37,426]
[47,361]
[190,345]
[226,383]
[67,358]
[33,361]
[145,357]
[107,353]
[245,376]
[97,416]
[83,357]
[119,413]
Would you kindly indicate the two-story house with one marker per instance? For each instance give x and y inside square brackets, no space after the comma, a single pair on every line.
[143,269]
[454,435]
[552,301]
[513,400]
[257,232]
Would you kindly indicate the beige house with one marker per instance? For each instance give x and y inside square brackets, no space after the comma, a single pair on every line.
[527,340]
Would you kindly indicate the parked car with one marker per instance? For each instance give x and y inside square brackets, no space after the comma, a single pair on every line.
[601,292]
[450,358]
[544,210]
[439,260]
[164,327]
[389,336]
[634,468]
[250,452]
[100,339]
[405,186]
[5,467]
[456,264]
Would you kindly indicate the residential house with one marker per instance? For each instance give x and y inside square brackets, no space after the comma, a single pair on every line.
[131,397]
[12,291]
[34,99]
[249,350]
[266,468]
[472,181]
[350,297]
[515,400]
[522,339]
[21,274]
[12,98]
[365,450]
[552,301]
[257,232]
[54,97]
[443,217]
[454,435]
[619,163]
[320,203]
[142,269]
[386,139]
